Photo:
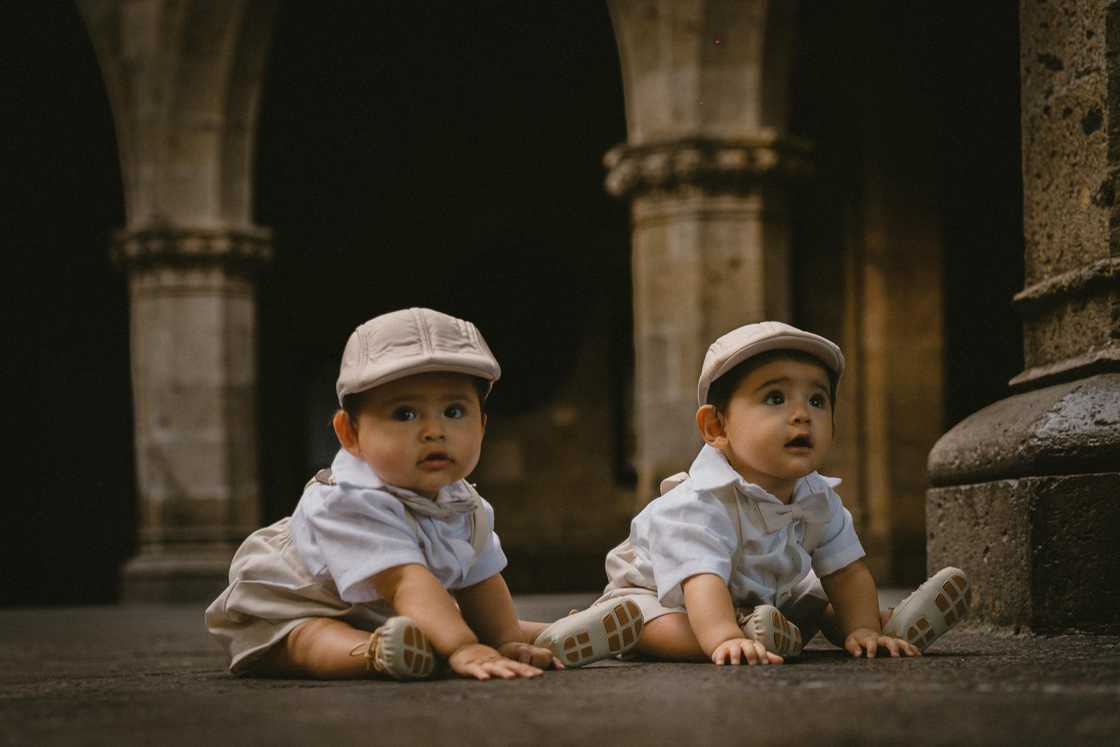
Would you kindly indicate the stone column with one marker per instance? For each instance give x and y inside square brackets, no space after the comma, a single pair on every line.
[1026,493]
[184,81]
[705,167]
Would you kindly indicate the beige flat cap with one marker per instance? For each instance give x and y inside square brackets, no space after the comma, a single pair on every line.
[411,341]
[752,339]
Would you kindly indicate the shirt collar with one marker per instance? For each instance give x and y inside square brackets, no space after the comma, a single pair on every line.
[351,470]
[711,471]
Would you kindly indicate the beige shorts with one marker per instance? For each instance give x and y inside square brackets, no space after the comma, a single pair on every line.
[803,608]
[271,593]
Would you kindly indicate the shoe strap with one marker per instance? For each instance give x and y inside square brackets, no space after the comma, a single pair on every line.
[371,650]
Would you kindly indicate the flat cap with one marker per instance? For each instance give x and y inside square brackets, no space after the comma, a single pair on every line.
[753,339]
[412,341]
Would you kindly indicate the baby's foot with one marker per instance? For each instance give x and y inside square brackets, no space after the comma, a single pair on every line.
[770,627]
[599,632]
[932,609]
[399,649]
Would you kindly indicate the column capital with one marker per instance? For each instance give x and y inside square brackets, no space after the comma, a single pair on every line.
[242,250]
[709,164]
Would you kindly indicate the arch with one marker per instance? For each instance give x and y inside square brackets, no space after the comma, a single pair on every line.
[184,80]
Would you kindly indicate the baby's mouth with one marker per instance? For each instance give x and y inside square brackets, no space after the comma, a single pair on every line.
[800,442]
[436,458]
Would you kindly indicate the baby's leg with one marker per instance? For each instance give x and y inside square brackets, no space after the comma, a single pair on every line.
[670,637]
[318,648]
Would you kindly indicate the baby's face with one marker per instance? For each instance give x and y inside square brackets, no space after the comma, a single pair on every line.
[421,432]
[779,424]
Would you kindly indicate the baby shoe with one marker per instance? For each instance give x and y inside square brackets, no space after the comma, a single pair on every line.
[932,609]
[766,625]
[599,632]
[399,649]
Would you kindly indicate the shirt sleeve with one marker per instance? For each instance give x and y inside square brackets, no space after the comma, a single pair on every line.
[688,535]
[839,545]
[492,559]
[360,533]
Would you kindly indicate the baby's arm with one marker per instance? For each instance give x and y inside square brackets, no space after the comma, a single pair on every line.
[712,618]
[851,590]
[488,608]
[413,591]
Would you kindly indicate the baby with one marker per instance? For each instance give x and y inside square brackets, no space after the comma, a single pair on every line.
[751,552]
[390,560]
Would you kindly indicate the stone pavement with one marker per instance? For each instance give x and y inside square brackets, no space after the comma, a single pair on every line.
[150,675]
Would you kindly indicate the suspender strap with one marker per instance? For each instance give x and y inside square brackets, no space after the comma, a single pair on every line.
[731,505]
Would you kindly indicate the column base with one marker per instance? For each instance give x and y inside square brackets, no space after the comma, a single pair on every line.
[1041,551]
[170,578]
[1026,500]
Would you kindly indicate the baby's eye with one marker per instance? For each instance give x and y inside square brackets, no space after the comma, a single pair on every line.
[455,411]
[818,400]
[774,398]
[404,414]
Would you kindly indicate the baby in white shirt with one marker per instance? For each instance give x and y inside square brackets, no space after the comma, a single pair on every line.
[751,552]
[389,563]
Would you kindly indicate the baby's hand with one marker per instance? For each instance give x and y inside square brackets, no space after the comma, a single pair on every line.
[732,651]
[527,653]
[482,662]
[865,639]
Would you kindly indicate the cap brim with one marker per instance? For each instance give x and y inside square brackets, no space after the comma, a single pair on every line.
[819,350]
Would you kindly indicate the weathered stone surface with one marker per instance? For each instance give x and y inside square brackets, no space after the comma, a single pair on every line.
[1041,551]
[1067,125]
[1063,429]
[985,530]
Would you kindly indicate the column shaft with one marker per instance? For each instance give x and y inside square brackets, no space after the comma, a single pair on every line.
[705,167]
[183,79]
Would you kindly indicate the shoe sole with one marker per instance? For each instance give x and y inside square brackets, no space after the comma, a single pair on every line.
[776,633]
[594,634]
[951,598]
[787,637]
[415,659]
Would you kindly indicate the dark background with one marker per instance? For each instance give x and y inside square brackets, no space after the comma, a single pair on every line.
[433,153]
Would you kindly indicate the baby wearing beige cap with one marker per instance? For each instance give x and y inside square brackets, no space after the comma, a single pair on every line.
[747,554]
[390,564]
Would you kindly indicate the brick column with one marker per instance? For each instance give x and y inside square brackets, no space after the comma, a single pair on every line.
[705,167]
[1026,492]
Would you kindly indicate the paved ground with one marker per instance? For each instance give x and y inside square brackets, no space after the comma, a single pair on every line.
[149,675]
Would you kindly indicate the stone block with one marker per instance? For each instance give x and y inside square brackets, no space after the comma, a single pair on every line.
[1041,551]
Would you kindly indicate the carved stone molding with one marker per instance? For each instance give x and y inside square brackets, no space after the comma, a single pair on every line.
[710,164]
[237,250]
[1081,282]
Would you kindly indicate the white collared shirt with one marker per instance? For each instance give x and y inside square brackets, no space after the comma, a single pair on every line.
[353,530]
[689,530]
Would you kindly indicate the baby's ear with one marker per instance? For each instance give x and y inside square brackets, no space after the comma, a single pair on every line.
[710,423]
[345,431]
